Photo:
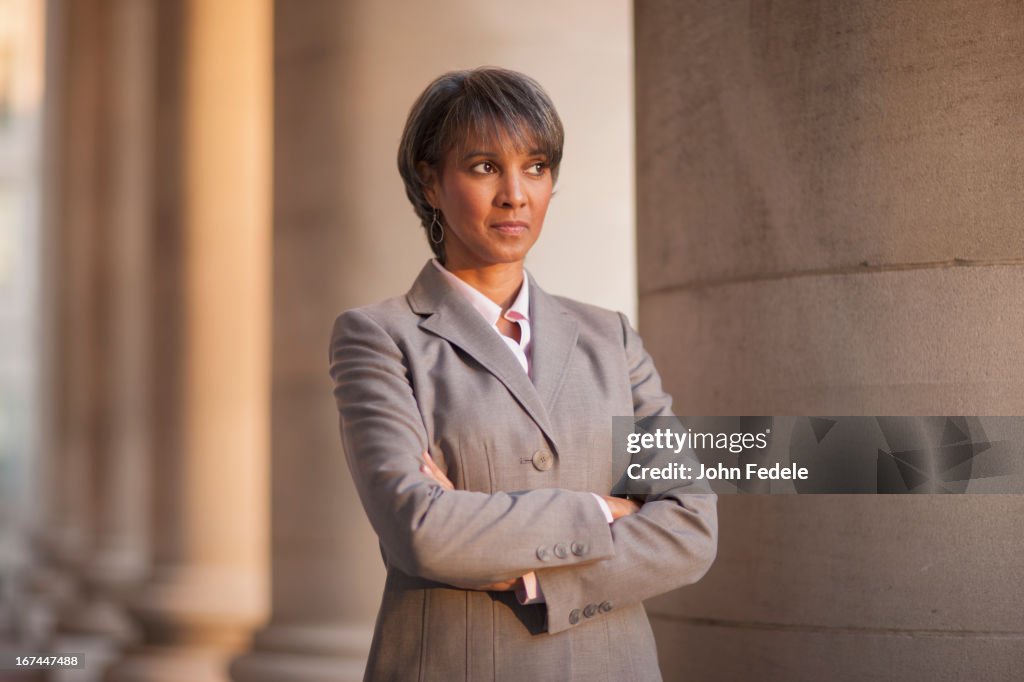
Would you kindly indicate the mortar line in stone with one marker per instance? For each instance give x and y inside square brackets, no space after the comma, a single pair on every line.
[862,268]
[838,629]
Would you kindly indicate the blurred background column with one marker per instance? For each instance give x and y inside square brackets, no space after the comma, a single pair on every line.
[829,207]
[211,331]
[94,419]
[326,571]
[119,181]
[78,362]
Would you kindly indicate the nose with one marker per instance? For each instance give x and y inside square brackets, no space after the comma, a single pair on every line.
[510,192]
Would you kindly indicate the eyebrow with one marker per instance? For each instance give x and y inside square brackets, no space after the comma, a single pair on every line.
[479,152]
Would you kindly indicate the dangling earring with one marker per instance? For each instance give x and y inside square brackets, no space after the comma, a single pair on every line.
[440,229]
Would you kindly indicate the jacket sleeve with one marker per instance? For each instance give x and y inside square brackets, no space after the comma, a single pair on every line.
[457,537]
[670,542]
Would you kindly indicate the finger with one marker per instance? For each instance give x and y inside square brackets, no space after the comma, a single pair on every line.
[432,472]
[431,469]
[436,470]
[437,477]
[497,587]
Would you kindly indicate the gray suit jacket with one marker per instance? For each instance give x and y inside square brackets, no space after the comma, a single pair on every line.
[425,372]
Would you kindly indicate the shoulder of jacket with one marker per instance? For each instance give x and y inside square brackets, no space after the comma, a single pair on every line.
[389,307]
[588,310]
[602,320]
[387,314]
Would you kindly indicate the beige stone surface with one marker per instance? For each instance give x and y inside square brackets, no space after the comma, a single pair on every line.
[912,342]
[327,567]
[780,137]
[725,654]
[829,215]
[889,562]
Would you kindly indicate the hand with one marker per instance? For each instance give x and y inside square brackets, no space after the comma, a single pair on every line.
[504,586]
[431,469]
[621,507]
[501,586]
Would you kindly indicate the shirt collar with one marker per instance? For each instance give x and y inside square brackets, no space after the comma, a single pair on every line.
[519,310]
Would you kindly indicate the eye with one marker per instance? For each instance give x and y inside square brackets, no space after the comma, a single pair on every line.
[538,168]
[485,167]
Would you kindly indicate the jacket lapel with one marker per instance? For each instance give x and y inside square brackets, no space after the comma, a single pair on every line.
[450,316]
[554,330]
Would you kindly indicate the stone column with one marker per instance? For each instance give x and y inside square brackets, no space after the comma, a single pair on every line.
[211,320]
[98,180]
[72,141]
[117,482]
[829,201]
[326,570]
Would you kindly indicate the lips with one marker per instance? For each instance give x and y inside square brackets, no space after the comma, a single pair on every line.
[511,226]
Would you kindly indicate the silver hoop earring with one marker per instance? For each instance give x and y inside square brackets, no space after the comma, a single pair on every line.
[440,228]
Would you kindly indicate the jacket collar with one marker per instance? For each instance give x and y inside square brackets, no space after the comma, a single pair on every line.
[449,315]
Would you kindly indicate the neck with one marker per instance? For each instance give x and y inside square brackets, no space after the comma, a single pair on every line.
[499,282]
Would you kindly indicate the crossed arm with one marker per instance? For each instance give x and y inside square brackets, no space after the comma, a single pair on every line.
[617,506]
[459,537]
[468,539]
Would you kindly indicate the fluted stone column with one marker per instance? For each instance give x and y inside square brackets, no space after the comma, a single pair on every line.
[68,529]
[94,555]
[326,573]
[117,484]
[830,203]
[212,340]
[90,538]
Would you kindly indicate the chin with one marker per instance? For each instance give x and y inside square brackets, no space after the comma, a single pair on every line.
[512,253]
[511,257]
[496,254]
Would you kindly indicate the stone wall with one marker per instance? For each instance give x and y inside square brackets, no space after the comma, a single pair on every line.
[829,222]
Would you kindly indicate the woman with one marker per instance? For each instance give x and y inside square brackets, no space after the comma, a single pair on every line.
[476,418]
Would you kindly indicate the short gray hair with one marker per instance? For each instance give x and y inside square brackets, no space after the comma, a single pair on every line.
[462,105]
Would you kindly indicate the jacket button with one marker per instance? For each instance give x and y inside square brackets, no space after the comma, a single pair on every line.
[605,606]
[580,548]
[542,460]
[560,551]
[574,616]
[590,610]
[543,554]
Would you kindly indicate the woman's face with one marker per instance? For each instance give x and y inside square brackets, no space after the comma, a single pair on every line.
[493,198]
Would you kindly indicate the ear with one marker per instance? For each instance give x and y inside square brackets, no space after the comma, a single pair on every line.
[428,176]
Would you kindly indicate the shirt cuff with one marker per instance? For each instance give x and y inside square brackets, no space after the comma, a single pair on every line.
[604,507]
[529,591]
